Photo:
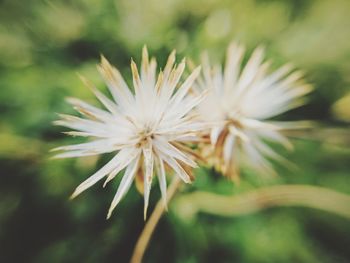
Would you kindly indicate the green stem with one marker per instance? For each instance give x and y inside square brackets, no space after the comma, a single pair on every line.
[256,200]
[151,224]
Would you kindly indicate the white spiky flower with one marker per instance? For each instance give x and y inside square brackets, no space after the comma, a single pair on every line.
[149,129]
[244,98]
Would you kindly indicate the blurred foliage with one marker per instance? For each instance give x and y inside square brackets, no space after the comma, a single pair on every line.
[44,43]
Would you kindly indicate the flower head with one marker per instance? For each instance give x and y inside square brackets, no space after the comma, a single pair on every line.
[148,129]
[243,98]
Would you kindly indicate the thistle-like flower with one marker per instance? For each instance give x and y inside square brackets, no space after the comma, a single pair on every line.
[149,129]
[243,98]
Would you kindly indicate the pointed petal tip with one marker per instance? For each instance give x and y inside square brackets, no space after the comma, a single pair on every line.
[191,64]
[57,113]
[111,210]
[55,157]
[79,75]
[69,99]
[187,180]
[145,213]
[86,82]
[83,79]
[56,123]
[171,57]
[144,49]
[308,88]
[133,66]
[109,214]
[260,48]
[73,195]
[56,149]
[103,59]
[196,71]
[106,182]
[233,44]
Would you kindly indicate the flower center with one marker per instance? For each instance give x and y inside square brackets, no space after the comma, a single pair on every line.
[236,123]
[145,136]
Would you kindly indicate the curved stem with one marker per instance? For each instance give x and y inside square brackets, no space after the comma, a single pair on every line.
[152,222]
[281,195]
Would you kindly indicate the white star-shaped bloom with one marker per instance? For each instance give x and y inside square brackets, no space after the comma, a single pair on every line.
[148,129]
[242,100]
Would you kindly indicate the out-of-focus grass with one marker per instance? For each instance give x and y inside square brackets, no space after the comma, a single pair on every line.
[43,44]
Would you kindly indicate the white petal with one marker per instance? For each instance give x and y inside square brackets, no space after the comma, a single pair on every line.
[162,180]
[169,64]
[184,88]
[116,84]
[125,184]
[214,135]
[148,165]
[168,149]
[127,156]
[107,168]
[148,71]
[104,145]
[113,128]
[89,110]
[232,68]
[229,147]
[175,166]
[167,90]
[110,105]
[250,69]
[90,148]
[78,153]
[180,110]
[137,82]
[207,70]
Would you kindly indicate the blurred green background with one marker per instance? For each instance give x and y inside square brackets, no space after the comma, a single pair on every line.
[43,44]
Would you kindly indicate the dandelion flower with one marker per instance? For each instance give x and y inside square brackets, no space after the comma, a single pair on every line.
[244,98]
[148,129]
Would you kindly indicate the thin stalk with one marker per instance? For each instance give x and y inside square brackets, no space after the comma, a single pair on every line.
[152,222]
[253,201]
